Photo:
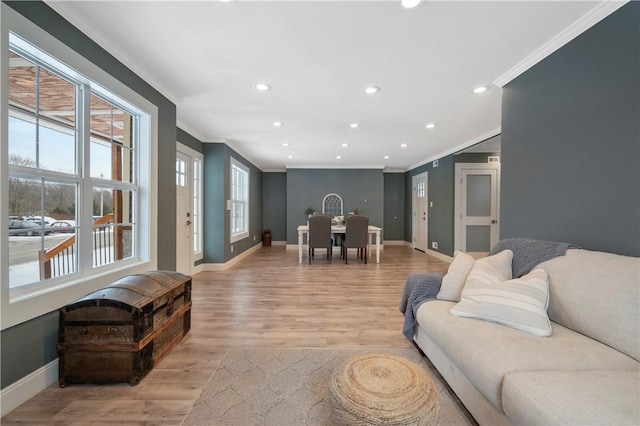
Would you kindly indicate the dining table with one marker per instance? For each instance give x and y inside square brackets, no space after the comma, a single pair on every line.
[340,229]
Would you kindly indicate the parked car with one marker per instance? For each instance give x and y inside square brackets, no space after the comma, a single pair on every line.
[64,226]
[38,219]
[27,227]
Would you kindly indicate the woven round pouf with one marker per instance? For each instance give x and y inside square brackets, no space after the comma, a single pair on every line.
[380,389]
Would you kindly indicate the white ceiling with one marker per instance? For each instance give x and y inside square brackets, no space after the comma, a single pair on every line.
[206,56]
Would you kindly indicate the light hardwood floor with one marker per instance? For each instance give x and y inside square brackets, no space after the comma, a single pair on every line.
[267,300]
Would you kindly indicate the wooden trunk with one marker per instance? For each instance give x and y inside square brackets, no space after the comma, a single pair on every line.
[119,333]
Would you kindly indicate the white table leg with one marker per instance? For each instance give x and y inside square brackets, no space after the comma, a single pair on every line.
[300,246]
[378,247]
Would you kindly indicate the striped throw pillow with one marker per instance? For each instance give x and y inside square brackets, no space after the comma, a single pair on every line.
[520,303]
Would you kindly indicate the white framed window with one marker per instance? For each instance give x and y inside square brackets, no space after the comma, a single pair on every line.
[79,149]
[239,201]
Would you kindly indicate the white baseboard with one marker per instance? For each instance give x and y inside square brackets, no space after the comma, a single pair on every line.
[27,387]
[232,262]
[394,242]
[197,268]
[278,243]
[439,255]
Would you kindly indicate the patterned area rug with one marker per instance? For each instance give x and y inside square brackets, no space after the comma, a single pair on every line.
[289,387]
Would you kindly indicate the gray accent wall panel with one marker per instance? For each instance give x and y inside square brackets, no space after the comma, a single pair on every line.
[359,188]
[274,202]
[28,346]
[217,189]
[394,206]
[571,141]
[440,193]
[35,339]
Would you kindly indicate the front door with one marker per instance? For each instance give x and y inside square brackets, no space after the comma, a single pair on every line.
[183,215]
[477,207]
[420,212]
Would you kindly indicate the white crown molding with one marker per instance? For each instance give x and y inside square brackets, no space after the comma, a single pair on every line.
[457,148]
[595,15]
[65,10]
[340,167]
[186,128]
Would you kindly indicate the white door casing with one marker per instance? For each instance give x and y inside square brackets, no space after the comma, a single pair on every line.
[477,206]
[419,211]
[184,250]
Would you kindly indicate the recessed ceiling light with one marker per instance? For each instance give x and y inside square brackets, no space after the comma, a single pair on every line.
[354,125]
[480,89]
[430,125]
[386,157]
[403,145]
[278,124]
[344,145]
[290,156]
[285,144]
[338,157]
[371,90]
[410,4]
[263,87]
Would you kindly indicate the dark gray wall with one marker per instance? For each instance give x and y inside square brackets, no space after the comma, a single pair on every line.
[571,141]
[188,140]
[31,345]
[216,184]
[393,206]
[307,188]
[274,199]
[28,346]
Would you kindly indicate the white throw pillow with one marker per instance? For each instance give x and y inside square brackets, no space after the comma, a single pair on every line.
[520,303]
[453,281]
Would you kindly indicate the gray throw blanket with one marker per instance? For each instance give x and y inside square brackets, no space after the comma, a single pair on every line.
[527,253]
[418,289]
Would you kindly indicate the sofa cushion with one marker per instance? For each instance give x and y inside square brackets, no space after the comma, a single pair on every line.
[572,397]
[453,281]
[520,303]
[485,351]
[597,294]
[491,269]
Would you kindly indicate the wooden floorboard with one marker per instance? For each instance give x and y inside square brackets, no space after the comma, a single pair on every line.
[266,300]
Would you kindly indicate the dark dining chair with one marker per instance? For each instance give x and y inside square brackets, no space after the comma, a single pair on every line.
[319,235]
[356,236]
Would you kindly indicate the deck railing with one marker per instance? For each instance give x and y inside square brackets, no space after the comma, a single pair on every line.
[60,260]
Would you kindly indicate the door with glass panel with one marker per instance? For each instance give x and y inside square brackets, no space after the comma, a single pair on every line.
[183,214]
[420,221]
[477,207]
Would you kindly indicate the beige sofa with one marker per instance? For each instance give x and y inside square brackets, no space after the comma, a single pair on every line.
[587,372]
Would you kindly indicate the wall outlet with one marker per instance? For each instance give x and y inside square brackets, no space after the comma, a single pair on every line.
[254,238]
[434,244]
[231,248]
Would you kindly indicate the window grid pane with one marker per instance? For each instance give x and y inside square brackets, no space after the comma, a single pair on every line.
[44,178]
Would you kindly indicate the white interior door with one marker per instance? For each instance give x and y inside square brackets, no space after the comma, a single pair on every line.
[477,207]
[183,214]
[420,219]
